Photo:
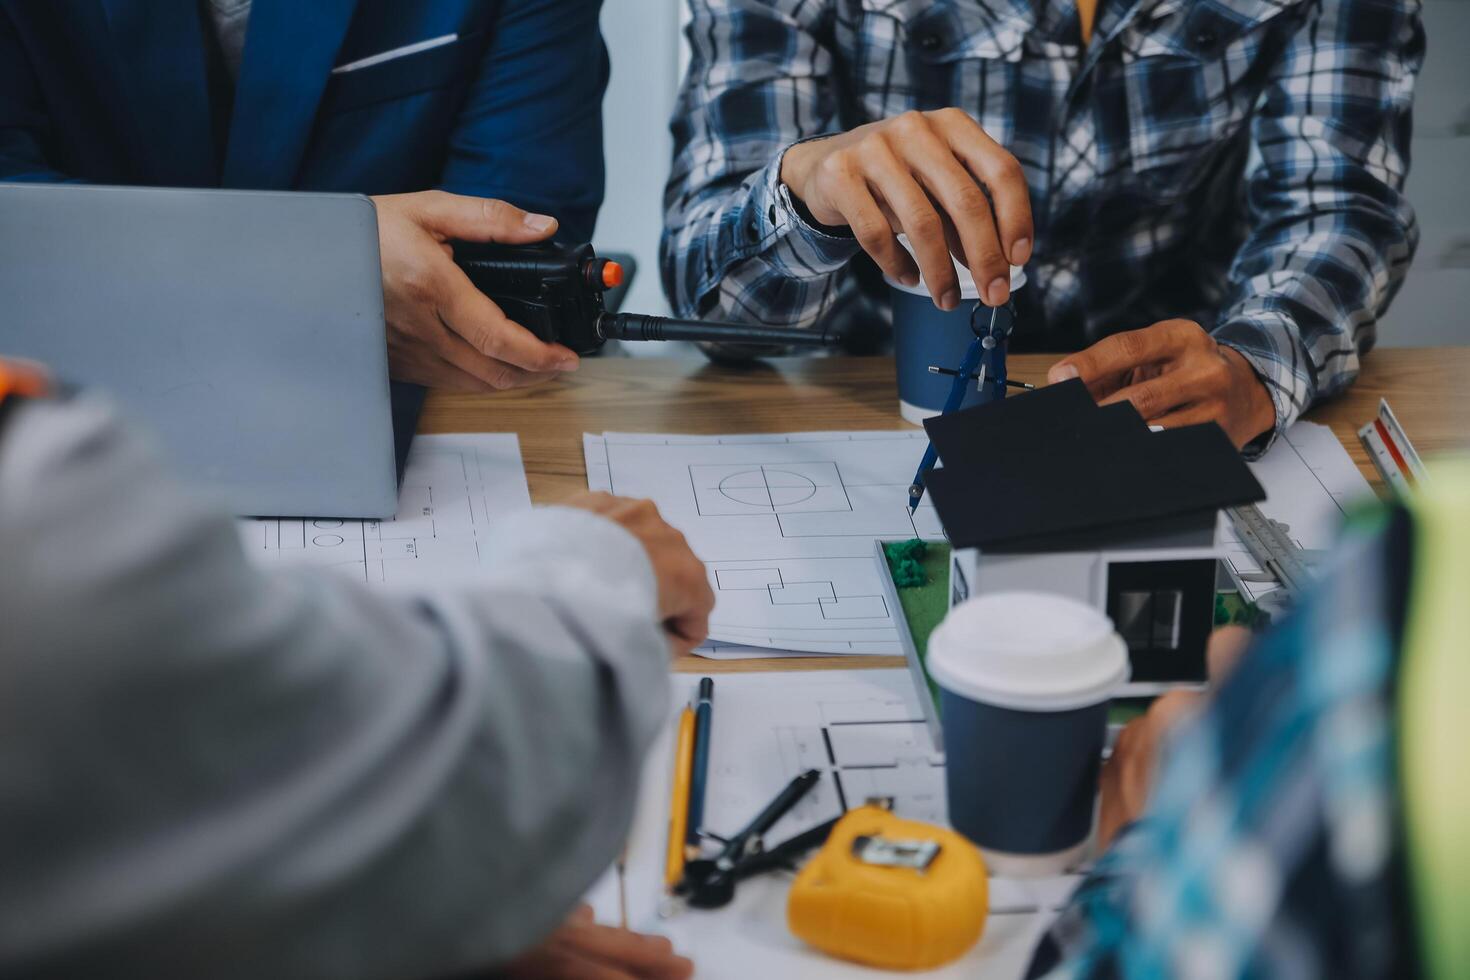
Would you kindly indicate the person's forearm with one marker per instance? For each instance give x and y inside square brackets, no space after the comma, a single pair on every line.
[734,245]
[749,253]
[1332,234]
[253,774]
[1308,302]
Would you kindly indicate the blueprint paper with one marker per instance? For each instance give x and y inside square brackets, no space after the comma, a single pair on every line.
[864,730]
[1310,481]
[784,524]
[454,488]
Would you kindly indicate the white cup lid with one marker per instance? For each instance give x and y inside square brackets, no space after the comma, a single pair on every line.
[1030,651]
[966,278]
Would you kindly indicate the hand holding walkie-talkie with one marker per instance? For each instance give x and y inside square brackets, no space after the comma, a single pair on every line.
[556,291]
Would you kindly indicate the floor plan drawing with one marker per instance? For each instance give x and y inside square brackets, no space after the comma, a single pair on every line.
[454,488]
[784,523]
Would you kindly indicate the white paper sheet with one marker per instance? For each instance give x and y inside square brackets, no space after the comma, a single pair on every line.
[863,729]
[1310,481]
[454,487]
[784,523]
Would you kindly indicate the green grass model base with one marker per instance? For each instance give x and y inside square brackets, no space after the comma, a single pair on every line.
[920,569]
[924,603]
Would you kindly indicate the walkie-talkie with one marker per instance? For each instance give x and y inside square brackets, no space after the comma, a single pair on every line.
[556,292]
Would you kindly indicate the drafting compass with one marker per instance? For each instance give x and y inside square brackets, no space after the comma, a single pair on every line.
[984,363]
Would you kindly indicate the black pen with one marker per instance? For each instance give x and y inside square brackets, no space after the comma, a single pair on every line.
[703,726]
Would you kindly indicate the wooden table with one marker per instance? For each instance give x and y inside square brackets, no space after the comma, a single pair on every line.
[1427,387]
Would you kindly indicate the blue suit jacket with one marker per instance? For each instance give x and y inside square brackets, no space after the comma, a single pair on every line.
[115,91]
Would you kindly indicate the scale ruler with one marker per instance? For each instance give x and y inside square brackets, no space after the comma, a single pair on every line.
[1392,453]
[1272,548]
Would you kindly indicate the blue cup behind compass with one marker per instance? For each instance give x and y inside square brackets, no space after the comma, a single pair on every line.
[925,335]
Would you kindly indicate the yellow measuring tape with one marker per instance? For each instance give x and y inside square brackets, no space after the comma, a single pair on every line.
[891,893]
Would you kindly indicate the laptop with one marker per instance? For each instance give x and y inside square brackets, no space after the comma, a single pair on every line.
[245,328]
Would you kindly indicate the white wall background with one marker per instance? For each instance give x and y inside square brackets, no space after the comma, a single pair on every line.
[644,41]
[1434,306]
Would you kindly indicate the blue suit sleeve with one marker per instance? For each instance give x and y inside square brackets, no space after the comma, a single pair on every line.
[23,116]
[531,128]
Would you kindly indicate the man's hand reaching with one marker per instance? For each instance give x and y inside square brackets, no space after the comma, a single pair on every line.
[442,331]
[1174,374]
[1127,778]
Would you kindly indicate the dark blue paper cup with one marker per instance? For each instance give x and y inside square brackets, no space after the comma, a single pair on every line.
[1025,679]
[925,335]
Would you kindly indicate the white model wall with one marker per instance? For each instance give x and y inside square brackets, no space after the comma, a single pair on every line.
[643,37]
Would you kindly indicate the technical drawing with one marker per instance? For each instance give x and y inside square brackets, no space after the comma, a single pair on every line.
[822,595]
[782,488]
[866,759]
[453,489]
[863,730]
[784,523]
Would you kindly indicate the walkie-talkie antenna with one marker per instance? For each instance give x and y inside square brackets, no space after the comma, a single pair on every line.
[556,292]
[639,326]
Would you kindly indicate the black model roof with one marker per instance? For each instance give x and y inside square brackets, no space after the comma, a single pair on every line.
[1049,468]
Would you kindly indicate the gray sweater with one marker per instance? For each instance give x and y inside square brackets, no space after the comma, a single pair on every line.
[209,770]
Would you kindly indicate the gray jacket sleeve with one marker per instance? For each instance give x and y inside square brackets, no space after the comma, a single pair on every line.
[209,770]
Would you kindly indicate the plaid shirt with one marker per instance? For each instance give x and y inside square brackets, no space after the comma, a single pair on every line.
[1272,845]
[1235,162]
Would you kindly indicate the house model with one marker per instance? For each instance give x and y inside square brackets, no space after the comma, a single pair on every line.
[1046,491]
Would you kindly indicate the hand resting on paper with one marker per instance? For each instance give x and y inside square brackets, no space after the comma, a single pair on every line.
[685,598]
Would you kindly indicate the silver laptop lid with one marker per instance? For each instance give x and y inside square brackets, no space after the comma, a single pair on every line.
[246,328]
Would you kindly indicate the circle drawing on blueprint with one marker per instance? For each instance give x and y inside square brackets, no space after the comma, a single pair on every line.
[327,525]
[768,488]
[327,540]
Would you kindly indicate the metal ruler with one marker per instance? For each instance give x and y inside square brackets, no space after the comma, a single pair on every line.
[1389,448]
[1272,548]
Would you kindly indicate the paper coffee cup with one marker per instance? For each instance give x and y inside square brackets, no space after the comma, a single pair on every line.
[925,335]
[1024,681]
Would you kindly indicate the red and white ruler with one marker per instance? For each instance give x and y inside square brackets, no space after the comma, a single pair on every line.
[1393,454]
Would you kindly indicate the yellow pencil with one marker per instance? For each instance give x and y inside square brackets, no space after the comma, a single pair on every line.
[679,798]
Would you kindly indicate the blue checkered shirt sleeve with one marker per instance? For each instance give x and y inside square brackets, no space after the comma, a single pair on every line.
[734,243]
[1331,233]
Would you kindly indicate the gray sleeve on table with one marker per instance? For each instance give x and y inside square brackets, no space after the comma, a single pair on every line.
[212,770]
